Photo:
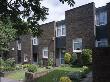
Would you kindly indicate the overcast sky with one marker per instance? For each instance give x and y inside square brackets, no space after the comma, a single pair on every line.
[57,9]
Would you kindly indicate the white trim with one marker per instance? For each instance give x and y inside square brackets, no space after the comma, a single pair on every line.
[25,58]
[35,41]
[60,28]
[80,41]
[45,49]
[99,19]
[102,41]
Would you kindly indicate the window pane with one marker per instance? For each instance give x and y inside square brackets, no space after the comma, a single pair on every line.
[58,32]
[63,31]
[62,61]
[62,55]
[101,18]
[35,41]
[46,53]
[77,46]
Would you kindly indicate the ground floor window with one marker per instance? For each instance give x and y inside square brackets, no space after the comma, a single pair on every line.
[45,52]
[77,45]
[102,43]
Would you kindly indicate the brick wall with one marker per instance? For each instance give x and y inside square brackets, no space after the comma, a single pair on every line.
[46,40]
[101,65]
[80,24]
[26,47]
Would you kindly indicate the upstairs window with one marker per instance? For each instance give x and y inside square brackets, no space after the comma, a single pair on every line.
[101,18]
[77,45]
[18,45]
[35,41]
[45,52]
[61,31]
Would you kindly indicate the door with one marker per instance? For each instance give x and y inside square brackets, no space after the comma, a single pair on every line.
[62,53]
[35,58]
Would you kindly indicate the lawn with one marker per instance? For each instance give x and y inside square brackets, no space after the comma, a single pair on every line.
[17,75]
[20,74]
[55,75]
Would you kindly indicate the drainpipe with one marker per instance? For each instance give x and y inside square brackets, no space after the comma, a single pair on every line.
[54,43]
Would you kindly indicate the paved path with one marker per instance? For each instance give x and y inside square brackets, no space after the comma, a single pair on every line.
[8,80]
[89,78]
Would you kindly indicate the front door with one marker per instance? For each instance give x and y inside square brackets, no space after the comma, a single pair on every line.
[35,58]
[62,53]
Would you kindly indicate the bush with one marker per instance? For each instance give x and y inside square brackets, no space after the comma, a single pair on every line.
[65,79]
[67,58]
[75,76]
[8,65]
[87,56]
[10,62]
[25,66]
[32,68]
[74,60]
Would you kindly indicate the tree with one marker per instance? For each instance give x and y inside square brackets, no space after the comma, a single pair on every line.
[7,34]
[31,10]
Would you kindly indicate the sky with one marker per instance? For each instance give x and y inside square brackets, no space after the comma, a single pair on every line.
[57,9]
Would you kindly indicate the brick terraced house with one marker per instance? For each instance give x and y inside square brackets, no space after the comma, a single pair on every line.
[84,27]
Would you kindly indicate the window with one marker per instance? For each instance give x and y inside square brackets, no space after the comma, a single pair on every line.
[77,45]
[35,41]
[45,52]
[18,45]
[102,43]
[61,31]
[101,18]
[25,58]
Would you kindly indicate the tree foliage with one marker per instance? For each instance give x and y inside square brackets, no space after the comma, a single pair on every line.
[7,34]
[30,10]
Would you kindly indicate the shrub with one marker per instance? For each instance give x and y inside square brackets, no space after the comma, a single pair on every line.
[10,62]
[32,68]
[86,56]
[65,79]
[25,66]
[75,76]
[7,65]
[2,62]
[67,58]
[74,59]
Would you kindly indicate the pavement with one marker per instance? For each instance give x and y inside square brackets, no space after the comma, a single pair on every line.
[89,78]
[2,79]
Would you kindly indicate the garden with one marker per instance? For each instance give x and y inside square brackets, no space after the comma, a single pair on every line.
[69,72]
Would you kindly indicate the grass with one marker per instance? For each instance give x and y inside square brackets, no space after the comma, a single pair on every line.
[55,75]
[20,74]
[17,75]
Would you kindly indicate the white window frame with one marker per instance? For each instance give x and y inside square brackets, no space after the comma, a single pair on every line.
[98,18]
[45,49]
[25,58]
[61,30]
[35,41]
[102,41]
[74,50]
[18,45]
